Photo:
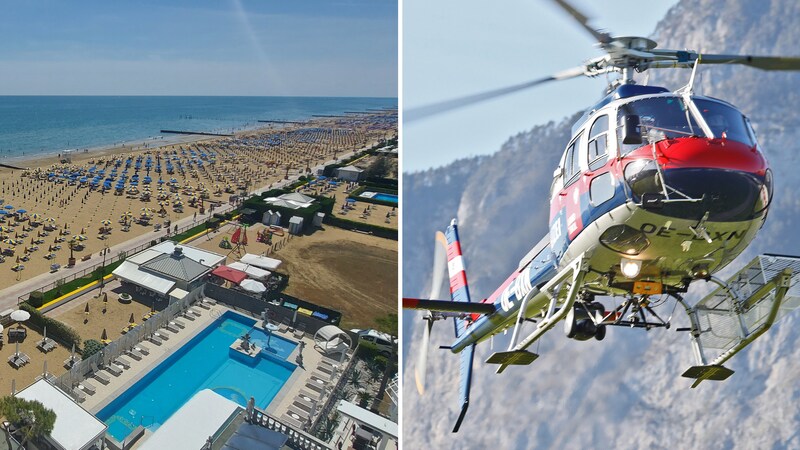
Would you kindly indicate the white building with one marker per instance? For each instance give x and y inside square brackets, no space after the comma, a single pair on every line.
[350,173]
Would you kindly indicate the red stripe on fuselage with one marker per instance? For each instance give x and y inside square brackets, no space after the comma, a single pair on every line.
[703,153]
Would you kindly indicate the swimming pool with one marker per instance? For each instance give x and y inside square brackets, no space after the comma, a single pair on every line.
[392,198]
[205,362]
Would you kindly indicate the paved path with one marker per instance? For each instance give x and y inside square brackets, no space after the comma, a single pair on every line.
[10,295]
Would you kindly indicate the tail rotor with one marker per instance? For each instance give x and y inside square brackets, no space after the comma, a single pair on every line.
[439,265]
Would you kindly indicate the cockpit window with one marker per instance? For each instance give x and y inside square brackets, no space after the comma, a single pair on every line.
[664,117]
[722,119]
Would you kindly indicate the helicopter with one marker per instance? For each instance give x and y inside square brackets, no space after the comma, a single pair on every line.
[655,190]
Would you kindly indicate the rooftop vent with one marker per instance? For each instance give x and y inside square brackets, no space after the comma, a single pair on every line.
[178,251]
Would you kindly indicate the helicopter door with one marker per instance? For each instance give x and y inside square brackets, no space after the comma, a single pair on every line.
[598,181]
[565,208]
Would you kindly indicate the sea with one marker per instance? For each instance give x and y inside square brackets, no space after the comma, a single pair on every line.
[34,126]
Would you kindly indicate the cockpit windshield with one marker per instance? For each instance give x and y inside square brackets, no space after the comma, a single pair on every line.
[725,121]
[660,118]
[670,118]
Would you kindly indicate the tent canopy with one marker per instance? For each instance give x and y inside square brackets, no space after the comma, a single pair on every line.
[230,274]
[332,339]
[261,261]
[251,271]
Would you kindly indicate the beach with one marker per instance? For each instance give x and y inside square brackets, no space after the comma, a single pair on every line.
[103,198]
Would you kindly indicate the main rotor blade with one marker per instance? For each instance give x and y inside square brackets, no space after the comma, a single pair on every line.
[759,62]
[449,105]
[600,36]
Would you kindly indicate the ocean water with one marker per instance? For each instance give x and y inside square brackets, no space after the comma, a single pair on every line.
[36,125]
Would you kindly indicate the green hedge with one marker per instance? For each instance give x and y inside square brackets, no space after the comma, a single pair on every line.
[55,329]
[189,233]
[98,273]
[376,230]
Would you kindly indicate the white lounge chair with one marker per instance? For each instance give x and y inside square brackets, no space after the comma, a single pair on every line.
[114,369]
[87,387]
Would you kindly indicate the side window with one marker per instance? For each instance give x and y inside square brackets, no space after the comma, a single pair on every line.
[369,338]
[572,163]
[601,189]
[598,143]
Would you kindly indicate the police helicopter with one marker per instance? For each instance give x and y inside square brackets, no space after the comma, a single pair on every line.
[656,190]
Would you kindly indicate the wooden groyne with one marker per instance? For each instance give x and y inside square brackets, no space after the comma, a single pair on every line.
[200,133]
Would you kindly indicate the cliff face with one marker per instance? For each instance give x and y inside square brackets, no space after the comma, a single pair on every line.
[624,392]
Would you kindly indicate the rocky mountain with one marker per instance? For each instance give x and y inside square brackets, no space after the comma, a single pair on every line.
[624,392]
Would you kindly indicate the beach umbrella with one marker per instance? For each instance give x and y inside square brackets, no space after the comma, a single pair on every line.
[16,351]
[86,309]
[251,285]
[104,336]
[130,319]
[3,212]
[106,222]
[8,207]
[20,315]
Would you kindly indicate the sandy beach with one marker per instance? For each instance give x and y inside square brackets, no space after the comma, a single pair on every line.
[55,201]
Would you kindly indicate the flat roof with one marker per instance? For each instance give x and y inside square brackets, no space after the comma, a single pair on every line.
[368,418]
[200,417]
[144,256]
[75,428]
[261,261]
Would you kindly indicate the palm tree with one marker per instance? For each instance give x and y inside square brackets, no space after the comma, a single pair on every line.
[387,374]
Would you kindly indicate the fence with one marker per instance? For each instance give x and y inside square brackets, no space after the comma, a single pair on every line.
[120,256]
[336,393]
[298,439]
[83,369]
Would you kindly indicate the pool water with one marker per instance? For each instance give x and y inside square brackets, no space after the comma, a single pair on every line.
[205,362]
[385,197]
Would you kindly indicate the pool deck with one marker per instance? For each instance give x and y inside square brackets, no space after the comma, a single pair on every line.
[280,405]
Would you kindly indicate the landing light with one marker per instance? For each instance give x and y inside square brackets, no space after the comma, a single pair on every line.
[630,267]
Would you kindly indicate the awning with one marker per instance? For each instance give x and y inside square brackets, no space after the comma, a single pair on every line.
[130,272]
[178,294]
[75,428]
[261,261]
[228,273]
[252,271]
[368,418]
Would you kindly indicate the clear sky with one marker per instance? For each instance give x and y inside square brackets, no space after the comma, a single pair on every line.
[199,47]
[454,47]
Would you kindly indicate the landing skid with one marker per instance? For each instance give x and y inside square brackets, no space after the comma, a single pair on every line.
[562,291]
[739,311]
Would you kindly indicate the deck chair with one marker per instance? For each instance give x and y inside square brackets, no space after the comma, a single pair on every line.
[123,362]
[284,326]
[100,376]
[300,331]
[116,371]
[87,387]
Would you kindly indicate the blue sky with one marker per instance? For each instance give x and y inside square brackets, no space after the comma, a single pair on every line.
[454,47]
[200,47]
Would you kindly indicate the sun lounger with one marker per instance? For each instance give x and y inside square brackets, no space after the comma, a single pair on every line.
[87,387]
[303,405]
[135,354]
[161,334]
[123,362]
[312,395]
[209,301]
[327,370]
[114,369]
[102,377]
[171,327]
[155,339]
[300,331]
[203,305]
[316,386]
[80,397]
[189,316]
[326,377]
[291,421]
[178,323]
[15,361]
[142,349]
[195,312]
[69,362]
[284,326]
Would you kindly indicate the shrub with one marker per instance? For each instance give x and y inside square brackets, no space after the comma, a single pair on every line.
[90,347]
[36,299]
[55,329]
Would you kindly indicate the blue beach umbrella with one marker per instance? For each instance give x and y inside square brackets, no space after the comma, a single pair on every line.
[3,212]
[8,207]
[22,211]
